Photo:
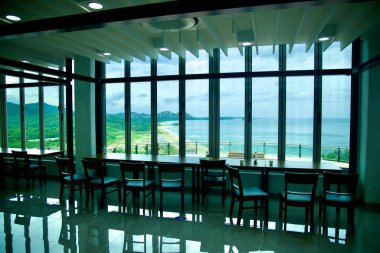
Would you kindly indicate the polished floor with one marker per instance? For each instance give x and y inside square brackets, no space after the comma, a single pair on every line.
[35,221]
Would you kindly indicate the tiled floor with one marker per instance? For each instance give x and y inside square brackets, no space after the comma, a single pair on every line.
[36,222]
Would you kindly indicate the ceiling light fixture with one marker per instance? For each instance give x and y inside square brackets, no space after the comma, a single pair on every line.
[163,49]
[95,5]
[246,43]
[324,38]
[106,54]
[12,17]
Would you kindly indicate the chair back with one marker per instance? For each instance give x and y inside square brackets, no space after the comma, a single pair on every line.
[93,168]
[21,159]
[215,168]
[65,167]
[167,171]
[236,184]
[301,182]
[340,183]
[135,168]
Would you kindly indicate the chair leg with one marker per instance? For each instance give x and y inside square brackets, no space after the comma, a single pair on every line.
[232,205]
[102,197]
[281,206]
[87,194]
[223,193]
[285,215]
[61,192]
[153,195]
[240,212]
[144,200]
[124,200]
[306,218]
[203,192]
[161,193]
[312,219]
[266,211]
[351,219]
[324,217]
[71,201]
[119,192]
[182,200]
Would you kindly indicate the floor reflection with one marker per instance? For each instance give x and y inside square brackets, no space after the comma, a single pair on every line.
[35,221]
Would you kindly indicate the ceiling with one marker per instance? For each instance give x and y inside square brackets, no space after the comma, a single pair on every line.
[51,31]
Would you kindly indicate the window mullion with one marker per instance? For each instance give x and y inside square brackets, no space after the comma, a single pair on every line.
[317,103]
[154,142]
[282,105]
[42,115]
[22,114]
[3,115]
[248,105]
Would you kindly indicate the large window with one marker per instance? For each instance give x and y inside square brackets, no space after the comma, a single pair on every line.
[231,116]
[167,118]
[197,117]
[266,60]
[299,59]
[234,62]
[265,116]
[299,118]
[115,115]
[13,113]
[167,66]
[336,93]
[141,118]
[197,65]
[32,115]
[51,118]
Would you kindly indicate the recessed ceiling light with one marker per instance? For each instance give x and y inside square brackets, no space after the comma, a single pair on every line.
[163,49]
[106,54]
[246,43]
[95,5]
[323,38]
[12,17]
[25,61]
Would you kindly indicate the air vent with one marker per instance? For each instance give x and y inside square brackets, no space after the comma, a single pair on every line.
[172,25]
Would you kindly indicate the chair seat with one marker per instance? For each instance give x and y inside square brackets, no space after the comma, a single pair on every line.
[214,179]
[338,197]
[297,197]
[139,183]
[252,192]
[76,177]
[107,181]
[171,184]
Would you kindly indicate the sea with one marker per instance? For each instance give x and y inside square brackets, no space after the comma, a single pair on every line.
[299,134]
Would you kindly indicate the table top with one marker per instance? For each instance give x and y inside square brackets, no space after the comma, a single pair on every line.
[31,152]
[301,166]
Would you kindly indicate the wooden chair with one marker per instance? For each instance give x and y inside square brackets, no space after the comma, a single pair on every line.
[172,178]
[242,194]
[338,191]
[295,196]
[68,178]
[213,175]
[136,183]
[96,179]
[24,168]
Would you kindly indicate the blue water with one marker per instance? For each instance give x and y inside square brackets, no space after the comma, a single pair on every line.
[335,133]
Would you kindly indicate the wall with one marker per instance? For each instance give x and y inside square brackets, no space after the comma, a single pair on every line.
[369,126]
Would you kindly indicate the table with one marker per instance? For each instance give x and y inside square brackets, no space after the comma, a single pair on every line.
[34,153]
[194,163]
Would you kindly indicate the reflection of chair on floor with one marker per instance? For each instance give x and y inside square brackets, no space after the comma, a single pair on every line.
[172,179]
[241,194]
[168,244]
[299,192]
[68,235]
[336,196]
[136,183]
[69,178]
[96,179]
[213,174]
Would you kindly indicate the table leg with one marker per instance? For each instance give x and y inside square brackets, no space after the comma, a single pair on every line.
[193,186]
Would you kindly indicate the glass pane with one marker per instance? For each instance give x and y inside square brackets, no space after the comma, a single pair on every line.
[266,60]
[334,58]
[115,118]
[197,117]
[51,118]
[140,68]
[166,66]
[299,59]
[299,118]
[167,117]
[115,69]
[231,116]
[265,117]
[197,65]
[141,118]
[115,115]
[32,120]
[13,113]
[336,96]
[234,62]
